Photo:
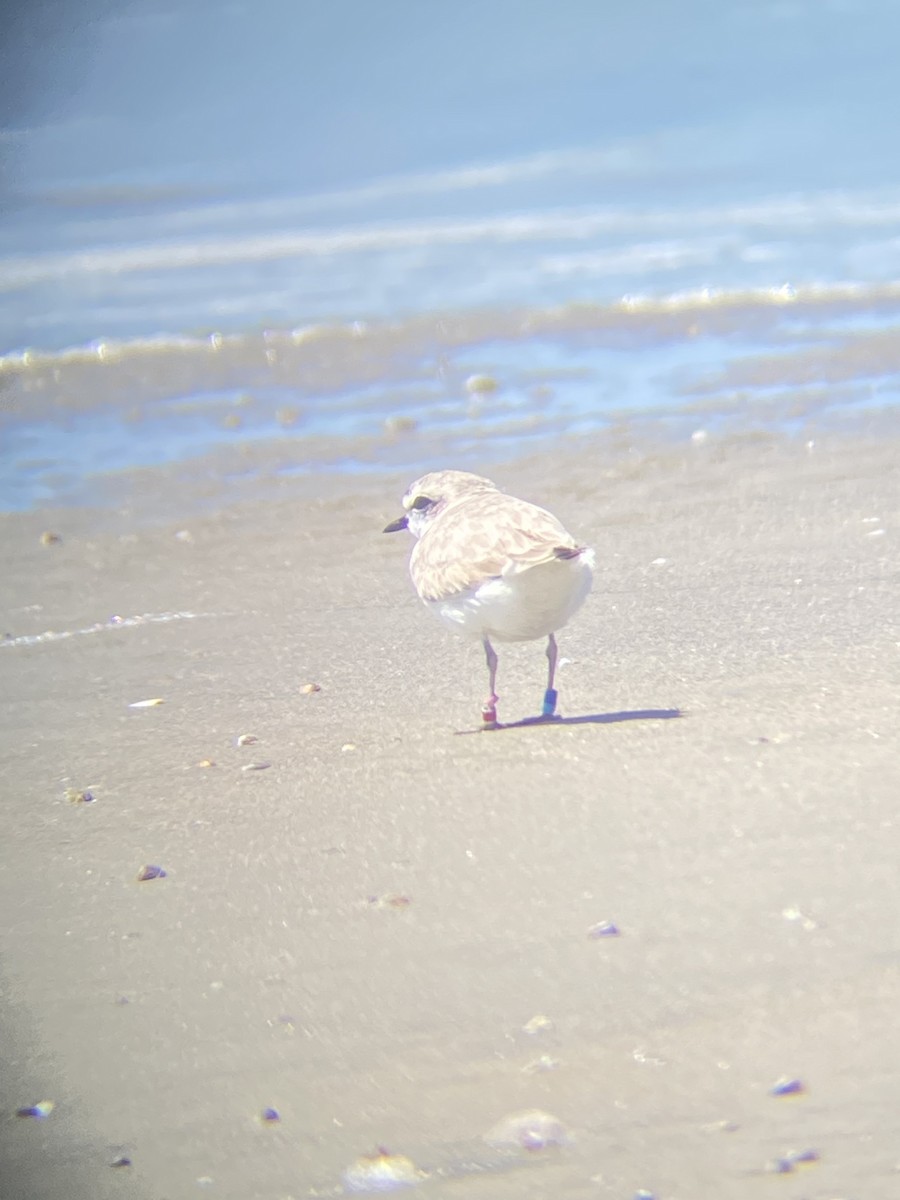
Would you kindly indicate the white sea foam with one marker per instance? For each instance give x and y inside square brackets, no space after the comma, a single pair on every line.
[812,295]
[113,623]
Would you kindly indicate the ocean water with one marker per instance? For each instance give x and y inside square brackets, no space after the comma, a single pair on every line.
[299,230]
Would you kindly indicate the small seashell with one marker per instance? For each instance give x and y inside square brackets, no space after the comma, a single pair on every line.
[787,1163]
[150,871]
[399,424]
[309,688]
[206,762]
[122,1160]
[390,900]
[787,1087]
[724,1126]
[154,703]
[804,1156]
[270,1116]
[348,747]
[643,1194]
[256,766]
[480,384]
[42,1109]
[537,1024]
[49,538]
[247,739]
[639,1055]
[808,923]
[529,1130]
[779,1166]
[603,929]
[77,796]
[382,1172]
[184,535]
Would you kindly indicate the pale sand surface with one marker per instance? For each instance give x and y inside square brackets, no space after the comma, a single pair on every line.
[745,584]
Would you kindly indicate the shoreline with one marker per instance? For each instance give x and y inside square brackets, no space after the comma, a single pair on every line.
[474,388]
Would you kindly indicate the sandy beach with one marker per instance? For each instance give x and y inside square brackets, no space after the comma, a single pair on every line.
[383,933]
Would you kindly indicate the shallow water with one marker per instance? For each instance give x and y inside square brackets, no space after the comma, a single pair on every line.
[307,242]
[468,389]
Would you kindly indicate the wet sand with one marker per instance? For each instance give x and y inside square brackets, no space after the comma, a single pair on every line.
[362,934]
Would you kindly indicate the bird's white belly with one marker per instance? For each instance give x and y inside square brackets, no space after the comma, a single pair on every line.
[520,606]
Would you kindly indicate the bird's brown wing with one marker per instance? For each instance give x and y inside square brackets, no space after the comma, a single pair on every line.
[481,537]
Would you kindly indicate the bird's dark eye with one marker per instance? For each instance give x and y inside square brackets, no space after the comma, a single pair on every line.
[421,502]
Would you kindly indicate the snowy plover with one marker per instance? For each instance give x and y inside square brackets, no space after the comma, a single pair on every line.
[493,567]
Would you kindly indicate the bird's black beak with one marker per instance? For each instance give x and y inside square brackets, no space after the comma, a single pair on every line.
[396,526]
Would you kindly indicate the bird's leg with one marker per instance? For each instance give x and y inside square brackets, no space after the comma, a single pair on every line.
[489,708]
[550,695]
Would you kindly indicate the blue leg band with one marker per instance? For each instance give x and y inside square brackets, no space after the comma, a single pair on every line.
[550,697]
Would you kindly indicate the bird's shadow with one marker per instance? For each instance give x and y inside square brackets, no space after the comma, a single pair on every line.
[610,718]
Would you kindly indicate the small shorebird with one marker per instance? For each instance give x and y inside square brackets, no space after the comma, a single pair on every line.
[493,567]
